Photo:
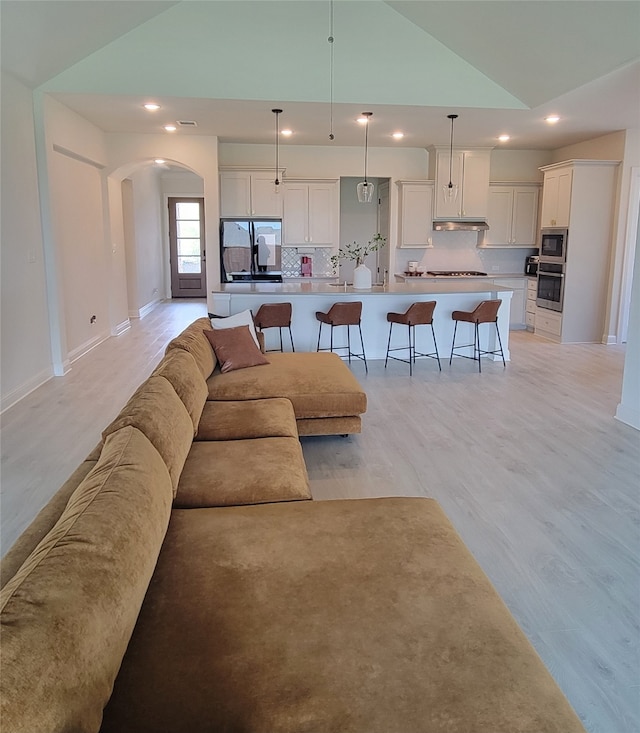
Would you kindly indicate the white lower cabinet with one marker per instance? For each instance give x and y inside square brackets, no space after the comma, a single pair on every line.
[548,323]
[532,292]
[517,316]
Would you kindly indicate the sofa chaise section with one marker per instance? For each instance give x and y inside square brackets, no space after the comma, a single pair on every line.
[366,616]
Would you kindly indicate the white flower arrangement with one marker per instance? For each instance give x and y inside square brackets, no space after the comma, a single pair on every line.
[358,252]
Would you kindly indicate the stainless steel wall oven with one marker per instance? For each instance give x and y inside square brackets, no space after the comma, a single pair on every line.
[550,285]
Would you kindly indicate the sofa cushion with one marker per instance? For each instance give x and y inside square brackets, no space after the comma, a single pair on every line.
[228,473]
[239,319]
[367,616]
[235,348]
[244,419]
[193,340]
[318,384]
[68,613]
[157,411]
[180,368]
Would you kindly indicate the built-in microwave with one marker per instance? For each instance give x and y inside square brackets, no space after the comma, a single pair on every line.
[553,244]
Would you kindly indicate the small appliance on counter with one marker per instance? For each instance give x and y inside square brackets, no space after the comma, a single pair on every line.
[531,265]
[306,266]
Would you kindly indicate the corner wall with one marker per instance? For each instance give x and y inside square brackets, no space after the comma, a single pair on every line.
[26,349]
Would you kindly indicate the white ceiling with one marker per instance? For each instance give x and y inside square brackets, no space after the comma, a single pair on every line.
[502,65]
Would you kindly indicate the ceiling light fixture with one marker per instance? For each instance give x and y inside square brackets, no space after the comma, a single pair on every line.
[159,161]
[398,135]
[365,188]
[170,128]
[504,138]
[552,119]
[286,133]
[450,190]
[276,183]
[152,107]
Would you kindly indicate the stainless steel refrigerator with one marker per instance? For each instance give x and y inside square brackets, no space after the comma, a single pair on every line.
[250,250]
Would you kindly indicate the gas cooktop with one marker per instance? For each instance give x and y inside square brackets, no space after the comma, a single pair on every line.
[456,273]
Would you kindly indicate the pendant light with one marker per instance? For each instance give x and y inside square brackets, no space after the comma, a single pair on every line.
[365,188]
[450,190]
[276,182]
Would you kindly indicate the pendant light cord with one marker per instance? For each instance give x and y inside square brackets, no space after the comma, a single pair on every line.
[366,147]
[277,114]
[330,40]
[452,118]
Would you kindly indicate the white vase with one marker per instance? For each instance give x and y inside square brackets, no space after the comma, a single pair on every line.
[362,277]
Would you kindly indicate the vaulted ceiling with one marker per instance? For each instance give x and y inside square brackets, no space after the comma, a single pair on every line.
[501,65]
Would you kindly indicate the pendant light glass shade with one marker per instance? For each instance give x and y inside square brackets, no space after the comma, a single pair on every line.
[450,190]
[365,191]
[365,188]
[276,182]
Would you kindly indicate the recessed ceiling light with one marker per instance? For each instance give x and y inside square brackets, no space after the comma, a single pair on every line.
[159,161]
[552,119]
[398,135]
[286,133]
[152,106]
[170,128]
[362,120]
[504,138]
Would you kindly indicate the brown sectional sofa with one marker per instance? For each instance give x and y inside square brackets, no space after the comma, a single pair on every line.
[182,581]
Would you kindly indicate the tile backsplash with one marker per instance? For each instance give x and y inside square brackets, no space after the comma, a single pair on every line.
[321,261]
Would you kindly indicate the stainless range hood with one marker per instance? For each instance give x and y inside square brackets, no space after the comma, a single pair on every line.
[456,225]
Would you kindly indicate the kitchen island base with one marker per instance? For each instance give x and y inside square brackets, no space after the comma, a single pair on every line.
[307,298]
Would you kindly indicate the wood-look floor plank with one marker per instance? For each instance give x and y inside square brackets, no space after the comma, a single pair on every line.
[530,466]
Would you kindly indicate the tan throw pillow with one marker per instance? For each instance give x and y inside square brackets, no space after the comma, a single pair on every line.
[235,348]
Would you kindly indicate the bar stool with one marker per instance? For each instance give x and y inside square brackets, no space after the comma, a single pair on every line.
[343,314]
[418,314]
[484,312]
[275,315]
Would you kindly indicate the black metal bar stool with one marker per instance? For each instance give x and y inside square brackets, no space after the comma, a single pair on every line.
[484,312]
[275,315]
[343,314]
[418,314]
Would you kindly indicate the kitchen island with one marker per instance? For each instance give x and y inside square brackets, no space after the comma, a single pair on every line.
[307,298]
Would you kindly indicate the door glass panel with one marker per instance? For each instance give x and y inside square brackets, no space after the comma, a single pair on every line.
[189,265]
[188,210]
[188,228]
[189,247]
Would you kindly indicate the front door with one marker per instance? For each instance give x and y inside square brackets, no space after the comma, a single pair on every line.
[186,248]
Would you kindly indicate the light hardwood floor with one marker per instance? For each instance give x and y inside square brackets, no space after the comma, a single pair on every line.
[528,462]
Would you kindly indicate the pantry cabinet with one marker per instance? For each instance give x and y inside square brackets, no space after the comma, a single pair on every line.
[415,223]
[311,213]
[512,215]
[249,193]
[470,173]
[556,197]
[579,195]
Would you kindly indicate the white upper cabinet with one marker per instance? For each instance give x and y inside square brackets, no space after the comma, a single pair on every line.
[311,213]
[512,215]
[556,198]
[249,193]
[470,173]
[416,213]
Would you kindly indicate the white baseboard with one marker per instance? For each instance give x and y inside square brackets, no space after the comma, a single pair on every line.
[629,416]
[610,339]
[121,327]
[19,393]
[87,346]
[145,310]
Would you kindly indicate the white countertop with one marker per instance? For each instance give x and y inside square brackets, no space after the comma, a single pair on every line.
[435,286]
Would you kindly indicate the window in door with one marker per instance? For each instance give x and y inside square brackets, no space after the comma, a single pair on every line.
[186,247]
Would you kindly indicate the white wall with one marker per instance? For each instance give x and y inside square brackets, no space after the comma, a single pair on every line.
[25,345]
[629,408]
[147,240]
[129,153]
[72,159]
